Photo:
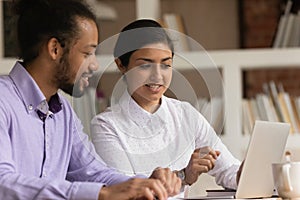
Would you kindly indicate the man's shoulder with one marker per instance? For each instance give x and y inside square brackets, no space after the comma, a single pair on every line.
[5,80]
[6,85]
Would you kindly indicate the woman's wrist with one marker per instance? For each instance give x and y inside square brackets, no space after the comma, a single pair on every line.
[182,175]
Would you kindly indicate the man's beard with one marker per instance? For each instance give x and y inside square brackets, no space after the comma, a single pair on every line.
[72,89]
[63,77]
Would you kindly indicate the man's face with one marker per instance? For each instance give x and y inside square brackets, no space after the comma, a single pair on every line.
[77,65]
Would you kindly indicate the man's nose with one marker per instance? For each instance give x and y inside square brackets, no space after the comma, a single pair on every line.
[93,63]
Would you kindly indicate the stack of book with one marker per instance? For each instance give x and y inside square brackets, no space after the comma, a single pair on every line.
[213,110]
[273,105]
[175,23]
[288,29]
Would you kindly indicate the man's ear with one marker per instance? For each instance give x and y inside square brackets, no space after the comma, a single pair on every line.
[54,48]
[121,67]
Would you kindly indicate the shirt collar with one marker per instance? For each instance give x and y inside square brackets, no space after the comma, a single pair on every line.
[30,93]
[140,116]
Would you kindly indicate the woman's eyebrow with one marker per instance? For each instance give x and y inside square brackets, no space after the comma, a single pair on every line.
[150,60]
[145,59]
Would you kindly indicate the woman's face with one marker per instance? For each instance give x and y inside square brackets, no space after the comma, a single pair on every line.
[149,74]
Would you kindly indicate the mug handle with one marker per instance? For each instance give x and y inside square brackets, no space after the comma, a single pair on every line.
[286,177]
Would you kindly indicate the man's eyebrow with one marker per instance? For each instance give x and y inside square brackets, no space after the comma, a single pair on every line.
[165,59]
[91,45]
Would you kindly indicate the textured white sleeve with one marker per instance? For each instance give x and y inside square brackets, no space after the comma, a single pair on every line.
[227,165]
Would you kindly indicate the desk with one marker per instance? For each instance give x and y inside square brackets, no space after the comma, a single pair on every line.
[219,198]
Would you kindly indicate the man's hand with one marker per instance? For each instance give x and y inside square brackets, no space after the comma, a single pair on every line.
[202,161]
[169,180]
[135,188]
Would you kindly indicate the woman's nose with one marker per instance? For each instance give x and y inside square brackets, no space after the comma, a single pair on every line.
[156,73]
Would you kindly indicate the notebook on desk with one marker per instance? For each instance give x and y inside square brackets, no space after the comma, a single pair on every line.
[266,146]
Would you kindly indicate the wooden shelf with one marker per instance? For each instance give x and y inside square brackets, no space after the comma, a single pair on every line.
[232,63]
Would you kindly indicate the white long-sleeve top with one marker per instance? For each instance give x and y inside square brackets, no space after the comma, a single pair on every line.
[135,141]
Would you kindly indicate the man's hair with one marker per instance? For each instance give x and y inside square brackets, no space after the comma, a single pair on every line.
[138,34]
[40,20]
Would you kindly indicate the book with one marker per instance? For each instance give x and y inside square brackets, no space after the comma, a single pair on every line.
[175,22]
[261,107]
[294,39]
[297,105]
[288,30]
[274,97]
[254,109]
[284,110]
[270,109]
[296,112]
[291,113]
[281,28]
[246,117]
[213,111]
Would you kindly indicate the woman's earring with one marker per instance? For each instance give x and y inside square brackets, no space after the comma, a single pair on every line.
[124,77]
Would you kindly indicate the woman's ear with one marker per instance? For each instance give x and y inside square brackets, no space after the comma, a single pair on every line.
[121,67]
[54,48]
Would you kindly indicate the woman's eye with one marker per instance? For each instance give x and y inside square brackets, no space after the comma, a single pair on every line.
[150,65]
[145,66]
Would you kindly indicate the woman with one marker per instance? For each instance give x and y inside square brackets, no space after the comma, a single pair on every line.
[145,129]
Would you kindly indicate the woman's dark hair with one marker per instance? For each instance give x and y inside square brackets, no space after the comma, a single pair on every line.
[40,20]
[138,34]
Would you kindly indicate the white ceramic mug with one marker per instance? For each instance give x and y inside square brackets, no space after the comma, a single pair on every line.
[287,179]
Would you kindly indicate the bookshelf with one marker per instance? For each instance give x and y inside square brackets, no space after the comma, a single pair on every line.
[232,63]
[236,62]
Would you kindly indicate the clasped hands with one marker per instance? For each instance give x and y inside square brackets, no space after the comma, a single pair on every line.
[202,160]
[162,184]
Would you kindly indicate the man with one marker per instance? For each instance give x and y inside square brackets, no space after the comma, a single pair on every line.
[43,152]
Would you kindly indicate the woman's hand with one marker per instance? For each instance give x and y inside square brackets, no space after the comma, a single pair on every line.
[202,161]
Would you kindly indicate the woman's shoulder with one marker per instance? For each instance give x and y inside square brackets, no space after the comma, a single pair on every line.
[171,102]
[108,115]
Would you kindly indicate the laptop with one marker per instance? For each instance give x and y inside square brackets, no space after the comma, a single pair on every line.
[266,146]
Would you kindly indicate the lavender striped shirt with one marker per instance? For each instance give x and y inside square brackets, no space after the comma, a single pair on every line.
[45,156]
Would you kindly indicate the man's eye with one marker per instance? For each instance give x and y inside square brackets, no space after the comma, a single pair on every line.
[165,66]
[87,54]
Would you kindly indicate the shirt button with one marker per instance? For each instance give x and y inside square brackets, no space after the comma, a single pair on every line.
[44,174]
[30,107]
